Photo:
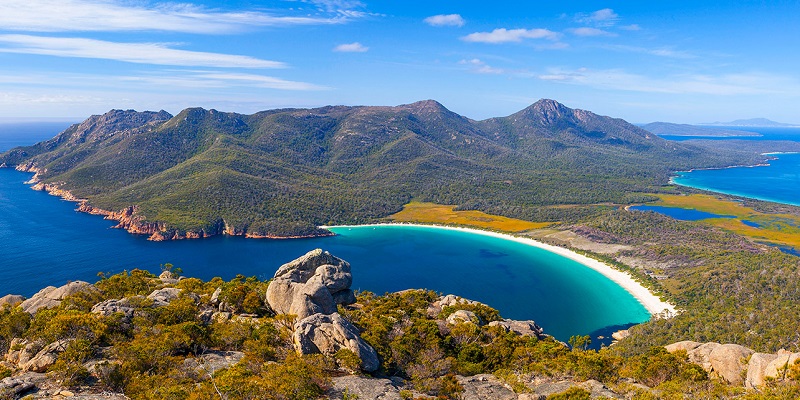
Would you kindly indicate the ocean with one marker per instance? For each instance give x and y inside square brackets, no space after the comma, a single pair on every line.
[778,181]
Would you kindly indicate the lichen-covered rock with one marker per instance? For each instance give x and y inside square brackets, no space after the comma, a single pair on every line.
[360,387]
[162,297]
[778,367]
[485,386]
[729,362]
[756,369]
[700,355]
[51,296]
[46,356]
[687,345]
[327,334]
[523,328]
[11,300]
[113,306]
[20,351]
[314,283]
[463,316]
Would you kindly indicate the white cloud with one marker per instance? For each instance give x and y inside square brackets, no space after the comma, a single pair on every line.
[445,20]
[213,79]
[502,35]
[116,15]
[723,85]
[632,27]
[141,53]
[604,17]
[585,31]
[480,67]
[354,47]
[662,52]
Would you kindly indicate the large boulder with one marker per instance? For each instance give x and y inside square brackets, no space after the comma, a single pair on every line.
[11,300]
[779,367]
[701,355]
[163,297]
[523,328]
[314,283]
[464,316]
[327,334]
[730,362]
[51,296]
[687,345]
[756,369]
[123,306]
[46,356]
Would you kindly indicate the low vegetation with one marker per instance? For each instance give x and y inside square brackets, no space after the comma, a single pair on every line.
[431,213]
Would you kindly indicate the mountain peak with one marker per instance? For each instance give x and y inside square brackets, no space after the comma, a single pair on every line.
[427,106]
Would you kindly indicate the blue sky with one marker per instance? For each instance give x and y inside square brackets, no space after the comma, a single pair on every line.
[671,61]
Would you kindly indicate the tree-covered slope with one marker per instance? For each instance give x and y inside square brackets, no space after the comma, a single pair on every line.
[284,172]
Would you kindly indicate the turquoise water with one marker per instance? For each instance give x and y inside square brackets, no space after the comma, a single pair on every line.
[683,214]
[43,241]
[778,182]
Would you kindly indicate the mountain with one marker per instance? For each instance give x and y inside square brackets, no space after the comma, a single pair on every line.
[755,122]
[666,128]
[284,172]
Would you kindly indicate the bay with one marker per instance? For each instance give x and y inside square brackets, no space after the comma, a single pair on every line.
[778,181]
[43,241]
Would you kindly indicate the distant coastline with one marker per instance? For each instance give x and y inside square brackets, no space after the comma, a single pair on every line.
[674,180]
[652,303]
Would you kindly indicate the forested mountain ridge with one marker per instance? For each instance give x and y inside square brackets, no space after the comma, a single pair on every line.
[284,172]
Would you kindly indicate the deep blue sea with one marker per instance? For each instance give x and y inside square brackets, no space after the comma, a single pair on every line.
[777,182]
[15,134]
[43,241]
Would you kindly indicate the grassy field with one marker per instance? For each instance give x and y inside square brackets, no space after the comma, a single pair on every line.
[780,229]
[432,213]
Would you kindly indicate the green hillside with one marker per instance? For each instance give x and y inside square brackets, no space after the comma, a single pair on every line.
[284,172]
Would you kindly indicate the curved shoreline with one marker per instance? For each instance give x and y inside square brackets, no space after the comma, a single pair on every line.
[652,303]
[673,181]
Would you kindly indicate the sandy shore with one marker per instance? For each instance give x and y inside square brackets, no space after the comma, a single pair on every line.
[652,303]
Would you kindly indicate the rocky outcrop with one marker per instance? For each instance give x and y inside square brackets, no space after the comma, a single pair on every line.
[778,368]
[123,306]
[756,369]
[163,297]
[360,387]
[523,328]
[463,316]
[35,356]
[11,300]
[729,361]
[327,334]
[314,283]
[737,364]
[15,387]
[51,296]
[485,386]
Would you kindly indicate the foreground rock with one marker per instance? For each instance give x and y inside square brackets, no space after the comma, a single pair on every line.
[737,364]
[11,300]
[523,328]
[51,296]
[314,283]
[328,334]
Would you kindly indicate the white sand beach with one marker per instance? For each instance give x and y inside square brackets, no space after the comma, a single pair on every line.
[652,303]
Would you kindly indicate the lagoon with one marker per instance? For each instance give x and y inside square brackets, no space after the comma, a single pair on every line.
[43,241]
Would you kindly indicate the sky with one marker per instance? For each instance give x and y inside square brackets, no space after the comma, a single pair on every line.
[676,61]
